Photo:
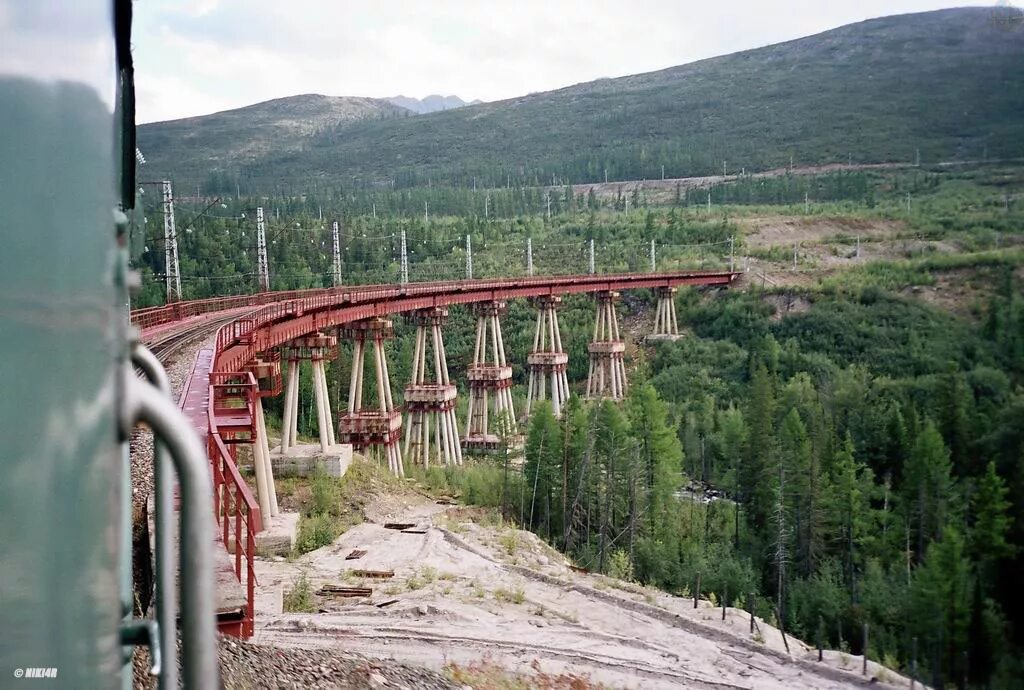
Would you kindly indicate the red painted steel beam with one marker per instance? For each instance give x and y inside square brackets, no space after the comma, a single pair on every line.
[292,318]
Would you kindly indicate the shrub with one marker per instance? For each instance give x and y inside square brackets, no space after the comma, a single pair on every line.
[512,596]
[324,490]
[316,531]
[299,599]
[619,565]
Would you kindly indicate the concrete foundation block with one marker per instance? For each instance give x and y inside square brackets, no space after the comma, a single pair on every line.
[278,535]
[300,461]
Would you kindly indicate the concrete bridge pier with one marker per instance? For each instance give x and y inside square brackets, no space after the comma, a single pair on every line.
[267,372]
[490,382]
[547,361]
[433,402]
[290,420]
[317,349]
[666,327]
[365,428]
[607,374]
[295,458]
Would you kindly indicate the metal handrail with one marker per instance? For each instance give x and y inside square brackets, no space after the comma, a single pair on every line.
[147,317]
[166,564]
[228,483]
[145,403]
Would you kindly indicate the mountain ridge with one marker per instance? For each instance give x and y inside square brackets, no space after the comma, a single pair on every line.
[279,124]
[431,103]
[948,84]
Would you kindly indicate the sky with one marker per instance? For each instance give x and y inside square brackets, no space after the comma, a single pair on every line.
[200,56]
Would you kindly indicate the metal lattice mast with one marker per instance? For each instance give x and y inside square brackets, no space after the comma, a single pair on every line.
[405,261]
[171,270]
[262,267]
[469,258]
[336,267]
[529,256]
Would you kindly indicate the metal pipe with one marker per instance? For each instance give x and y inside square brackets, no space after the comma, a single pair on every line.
[166,596]
[198,614]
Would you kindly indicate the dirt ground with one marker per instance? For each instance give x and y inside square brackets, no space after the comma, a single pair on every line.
[662,191]
[467,588]
[824,245]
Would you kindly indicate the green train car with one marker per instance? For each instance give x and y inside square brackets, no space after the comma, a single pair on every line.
[69,391]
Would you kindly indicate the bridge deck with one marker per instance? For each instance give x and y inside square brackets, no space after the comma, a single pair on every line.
[195,397]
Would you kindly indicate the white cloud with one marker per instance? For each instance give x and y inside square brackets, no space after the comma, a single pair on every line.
[229,53]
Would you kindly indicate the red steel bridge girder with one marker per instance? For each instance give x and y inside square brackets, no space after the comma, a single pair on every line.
[290,318]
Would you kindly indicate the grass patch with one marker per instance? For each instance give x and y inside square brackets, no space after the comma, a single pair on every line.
[299,599]
[509,542]
[334,505]
[510,596]
[316,531]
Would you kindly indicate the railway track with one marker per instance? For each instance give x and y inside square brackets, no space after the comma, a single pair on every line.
[167,346]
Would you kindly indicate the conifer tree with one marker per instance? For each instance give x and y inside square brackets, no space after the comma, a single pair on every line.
[661,454]
[990,511]
[927,486]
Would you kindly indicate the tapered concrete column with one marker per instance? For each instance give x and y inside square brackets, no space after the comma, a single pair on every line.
[316,348]
[488,378]
[431,403]
[266,369]
[289,421]
[607,376]
[665,325]
[331,435]
[372,429]
[266,488]
[322,412]
[260,463]
[547,361]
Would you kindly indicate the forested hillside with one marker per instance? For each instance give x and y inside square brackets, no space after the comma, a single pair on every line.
[947,85]
[862,448]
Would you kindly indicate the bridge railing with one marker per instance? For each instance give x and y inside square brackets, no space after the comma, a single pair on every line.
[313,298]
[238,514]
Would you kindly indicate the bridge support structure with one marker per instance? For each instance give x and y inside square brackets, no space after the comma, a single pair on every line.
[266,369]
[365,428]
[547,361]
[431,402]
[666,327]
[607,373]
[317,349]
[490,383]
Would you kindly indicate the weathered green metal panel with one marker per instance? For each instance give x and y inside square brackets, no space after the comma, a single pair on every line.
[61,467]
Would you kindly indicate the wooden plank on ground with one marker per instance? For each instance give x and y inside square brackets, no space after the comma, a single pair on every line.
[378,574]
[341,591]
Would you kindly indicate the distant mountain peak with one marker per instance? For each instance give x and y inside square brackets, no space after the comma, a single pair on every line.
[430,104]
